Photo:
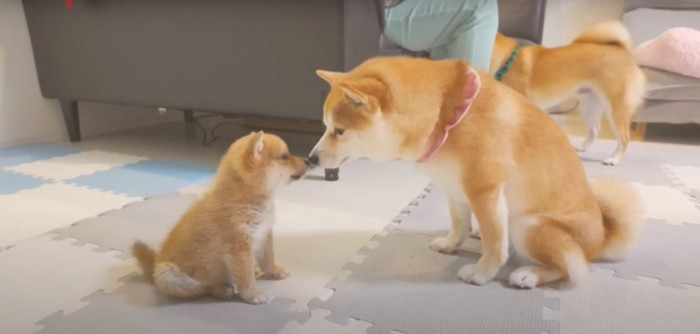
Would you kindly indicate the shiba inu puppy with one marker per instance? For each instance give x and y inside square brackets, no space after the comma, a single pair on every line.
[493,152]
[218,240]
[598,63]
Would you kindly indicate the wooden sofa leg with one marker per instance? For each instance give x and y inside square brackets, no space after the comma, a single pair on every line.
[189,116]
[332,174]
[639,131]
[71,118]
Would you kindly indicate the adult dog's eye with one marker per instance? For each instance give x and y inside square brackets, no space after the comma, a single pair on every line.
[285,156]
[339,132]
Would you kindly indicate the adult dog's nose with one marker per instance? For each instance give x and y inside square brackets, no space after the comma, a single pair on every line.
[313,159]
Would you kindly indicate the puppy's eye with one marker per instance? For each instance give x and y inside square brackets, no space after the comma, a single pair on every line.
[339,132]
[285,156]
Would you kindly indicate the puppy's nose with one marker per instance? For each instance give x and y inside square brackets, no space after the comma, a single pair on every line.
[312,160]
[307,163]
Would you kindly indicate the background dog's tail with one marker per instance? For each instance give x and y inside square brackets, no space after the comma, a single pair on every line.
[623,216]
[146,257]
[612,33]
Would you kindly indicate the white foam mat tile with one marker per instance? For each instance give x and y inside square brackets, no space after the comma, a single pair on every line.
[34,211]
[669,204]
[42,276]
[73,165]
[606,304]
[686,176]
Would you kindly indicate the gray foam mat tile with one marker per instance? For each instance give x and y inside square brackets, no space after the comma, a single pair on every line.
[402,285]
[427,214]
[147,220]
[666,252]
[605,304]
[137,307]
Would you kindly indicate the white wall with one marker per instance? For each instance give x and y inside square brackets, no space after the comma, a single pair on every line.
[25,116]
[565,19]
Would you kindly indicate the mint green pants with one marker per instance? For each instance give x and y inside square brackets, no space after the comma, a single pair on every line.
[464,29]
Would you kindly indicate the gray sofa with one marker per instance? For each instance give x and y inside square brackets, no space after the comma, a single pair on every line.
[230,56]
[671,98]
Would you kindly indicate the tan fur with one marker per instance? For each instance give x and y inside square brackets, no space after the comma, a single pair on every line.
[506,161]
[598,60]
[218,240]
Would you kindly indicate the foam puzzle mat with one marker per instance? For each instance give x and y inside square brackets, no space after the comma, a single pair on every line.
[354,268]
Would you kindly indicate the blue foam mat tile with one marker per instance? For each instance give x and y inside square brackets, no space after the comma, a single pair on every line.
[27,153]
[13,182]
[147,178]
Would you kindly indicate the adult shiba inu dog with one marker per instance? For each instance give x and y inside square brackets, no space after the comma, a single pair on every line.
[598,62]
[492,151]
[221,237]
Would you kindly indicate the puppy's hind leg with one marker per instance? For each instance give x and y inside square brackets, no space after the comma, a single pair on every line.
[241,264]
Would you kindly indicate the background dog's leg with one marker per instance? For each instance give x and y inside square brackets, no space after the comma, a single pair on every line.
[460,215]
[490,209]
[591,109]
[619,117]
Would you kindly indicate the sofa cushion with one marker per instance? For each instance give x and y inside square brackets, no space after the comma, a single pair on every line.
[663,85]
[677,50]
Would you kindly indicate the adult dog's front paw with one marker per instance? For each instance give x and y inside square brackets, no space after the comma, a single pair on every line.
[444,245]
[473,275]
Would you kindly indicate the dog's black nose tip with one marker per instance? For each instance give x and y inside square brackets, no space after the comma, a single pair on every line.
[312,160]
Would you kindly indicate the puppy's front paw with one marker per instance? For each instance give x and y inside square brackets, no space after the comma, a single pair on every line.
[443,245]
[472,275]
[254,296]
[276,273]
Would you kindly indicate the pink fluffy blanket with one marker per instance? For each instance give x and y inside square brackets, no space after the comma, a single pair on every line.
[676,50]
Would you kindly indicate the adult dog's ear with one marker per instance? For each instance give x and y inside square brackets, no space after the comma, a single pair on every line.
[353,94]
[472,84]
[330,77]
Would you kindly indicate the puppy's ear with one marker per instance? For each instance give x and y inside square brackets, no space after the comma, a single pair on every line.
[330,77]
[258,144]
[354,94]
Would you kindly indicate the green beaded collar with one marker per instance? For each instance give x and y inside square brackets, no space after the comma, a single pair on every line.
[506,66]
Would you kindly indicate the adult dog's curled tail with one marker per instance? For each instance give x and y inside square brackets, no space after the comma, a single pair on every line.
[623,216]
[612,32]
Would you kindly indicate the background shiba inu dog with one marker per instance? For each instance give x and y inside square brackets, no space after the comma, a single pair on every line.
[492,152]
[598,62]
[220,238]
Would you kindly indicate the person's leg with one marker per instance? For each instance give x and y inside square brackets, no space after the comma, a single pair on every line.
[463,29]
[421,25]
[472,36]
